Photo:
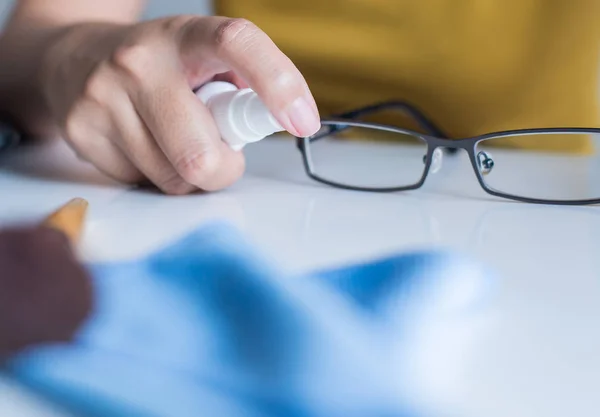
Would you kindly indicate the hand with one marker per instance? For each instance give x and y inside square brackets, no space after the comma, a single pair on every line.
[122,96]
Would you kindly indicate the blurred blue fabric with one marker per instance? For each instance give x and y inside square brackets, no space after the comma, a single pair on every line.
[211,327]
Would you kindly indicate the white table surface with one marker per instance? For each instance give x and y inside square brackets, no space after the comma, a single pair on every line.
[538,356]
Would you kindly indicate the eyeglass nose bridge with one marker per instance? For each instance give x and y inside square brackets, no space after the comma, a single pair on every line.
[437,159]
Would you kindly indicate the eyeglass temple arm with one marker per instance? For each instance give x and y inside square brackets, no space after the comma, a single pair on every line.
[423,121]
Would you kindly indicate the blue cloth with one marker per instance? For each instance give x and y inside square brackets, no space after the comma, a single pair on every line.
[210,327]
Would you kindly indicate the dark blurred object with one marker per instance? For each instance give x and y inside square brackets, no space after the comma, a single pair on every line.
[9,136]
[45,293]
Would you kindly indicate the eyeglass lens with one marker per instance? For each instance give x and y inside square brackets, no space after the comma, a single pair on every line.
[562,167]
[367,158]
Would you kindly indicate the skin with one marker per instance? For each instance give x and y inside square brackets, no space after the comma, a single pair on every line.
[120,91]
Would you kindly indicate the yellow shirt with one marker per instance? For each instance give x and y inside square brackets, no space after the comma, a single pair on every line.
[473,66]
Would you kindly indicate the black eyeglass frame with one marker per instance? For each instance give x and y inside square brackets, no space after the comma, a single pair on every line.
[434,138]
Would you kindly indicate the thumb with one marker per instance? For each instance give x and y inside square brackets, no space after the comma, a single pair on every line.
[240,46]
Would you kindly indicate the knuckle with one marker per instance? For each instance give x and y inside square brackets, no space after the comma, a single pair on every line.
[233,31]
[198,167]
[280,85]
[97,86]
[85,119]
[74,128]
[134,59]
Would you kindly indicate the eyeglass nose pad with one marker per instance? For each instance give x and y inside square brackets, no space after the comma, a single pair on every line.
[436,160]
[485,163]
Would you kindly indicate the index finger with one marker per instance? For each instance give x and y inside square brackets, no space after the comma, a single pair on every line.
[249,52]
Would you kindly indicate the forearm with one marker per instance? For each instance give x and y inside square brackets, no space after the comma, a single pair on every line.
[29,33]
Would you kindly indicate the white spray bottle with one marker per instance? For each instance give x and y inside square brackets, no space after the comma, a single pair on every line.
[240,114]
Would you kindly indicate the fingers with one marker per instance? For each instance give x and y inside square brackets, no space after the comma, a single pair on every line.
[161,125]
[251,54]
[137,142]
[185,131]
[105,129]
[92,145]
[152,124]
[108,159]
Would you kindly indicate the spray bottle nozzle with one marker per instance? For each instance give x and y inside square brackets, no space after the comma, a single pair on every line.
[240,115]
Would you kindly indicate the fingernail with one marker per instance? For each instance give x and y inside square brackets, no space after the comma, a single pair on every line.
[302,116]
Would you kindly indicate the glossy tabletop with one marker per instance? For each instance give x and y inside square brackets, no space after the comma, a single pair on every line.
[539,353]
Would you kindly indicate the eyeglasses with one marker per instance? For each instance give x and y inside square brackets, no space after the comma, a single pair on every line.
[548,166]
